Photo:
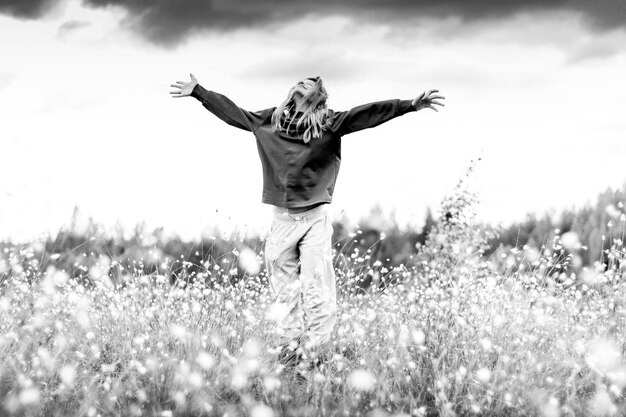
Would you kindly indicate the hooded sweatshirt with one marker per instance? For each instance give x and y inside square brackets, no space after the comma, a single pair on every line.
[298,174]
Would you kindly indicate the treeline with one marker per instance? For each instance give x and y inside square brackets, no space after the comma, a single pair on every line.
[82,250]
[376,239]
[598,227]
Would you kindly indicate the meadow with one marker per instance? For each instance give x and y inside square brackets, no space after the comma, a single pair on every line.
[450,333]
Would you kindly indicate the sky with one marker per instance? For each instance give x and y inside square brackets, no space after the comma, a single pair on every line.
[534,88]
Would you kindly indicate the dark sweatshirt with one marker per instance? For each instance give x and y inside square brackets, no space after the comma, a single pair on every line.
[298,174]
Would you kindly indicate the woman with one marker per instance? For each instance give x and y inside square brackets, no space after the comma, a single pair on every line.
[299,143]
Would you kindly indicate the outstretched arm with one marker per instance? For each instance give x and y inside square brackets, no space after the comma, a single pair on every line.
[220,105]
[374,114]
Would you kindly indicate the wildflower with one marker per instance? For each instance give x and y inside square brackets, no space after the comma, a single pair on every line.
[5,304]
[362,380]
[239,380]
[551,408]
[420,412]
[261,410]
[483,375]
[486,344]
[177,331]
[248,261]
[205,360]
[271,383]
[29,396]
[570,241]
[46,359]
[604,356]
[195,380]
[277,311]
[418,336]
[601,404]
[618,377]
[68,375]
[251,348]
[179,399]
[612,211]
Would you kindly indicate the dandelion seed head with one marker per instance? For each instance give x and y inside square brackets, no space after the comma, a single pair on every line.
[591,277]
[239,379]
[483,375]
[205,360]
[579,347]
[271,383]
[178,331]
[551,408]
[618,377]
[82,318]
[420,411]
[195,380]
[277,311]
[68,375]
[570,241]
[196,307]
[248,261]
[604,356]
[251,348]
[179,398]
[29,396]
[46,359]
[362,380]
[532,254]
[261,410]
[60,278]
[5,304]
[601,404]
[612,211]
[418,336]
[486,344]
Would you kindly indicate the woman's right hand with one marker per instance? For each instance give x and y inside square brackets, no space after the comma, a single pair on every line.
[184,89]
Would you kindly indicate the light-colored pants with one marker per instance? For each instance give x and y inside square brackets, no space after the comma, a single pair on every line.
[299,260]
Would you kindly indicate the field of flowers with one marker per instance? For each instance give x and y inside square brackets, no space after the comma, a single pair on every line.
[450,334]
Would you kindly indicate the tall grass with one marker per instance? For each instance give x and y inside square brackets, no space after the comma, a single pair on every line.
[447,335]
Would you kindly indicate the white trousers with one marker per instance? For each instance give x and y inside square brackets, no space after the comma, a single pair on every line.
[299,260]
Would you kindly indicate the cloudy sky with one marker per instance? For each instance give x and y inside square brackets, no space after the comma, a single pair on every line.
[535,87]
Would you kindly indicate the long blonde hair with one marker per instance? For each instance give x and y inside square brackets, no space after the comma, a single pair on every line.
[315,115]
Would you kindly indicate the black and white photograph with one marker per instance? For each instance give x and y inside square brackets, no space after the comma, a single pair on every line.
[245,208]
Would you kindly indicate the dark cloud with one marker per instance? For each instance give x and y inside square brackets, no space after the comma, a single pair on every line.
[169,22]
[26,9]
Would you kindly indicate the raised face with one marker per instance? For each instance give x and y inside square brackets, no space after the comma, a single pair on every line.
[301,88]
